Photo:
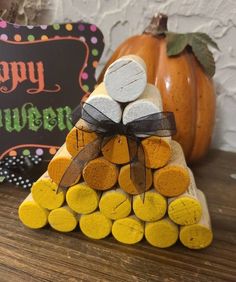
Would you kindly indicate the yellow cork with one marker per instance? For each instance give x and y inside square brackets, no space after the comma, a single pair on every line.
[63,219]
[95,225]
[126,182]
[157,151]
[32,214]
[149,207]
[186,208]
[173,179]
[79,137]
[46,193]
[82,199]
[115,204]
[198,235]
[128,230]
[162,233]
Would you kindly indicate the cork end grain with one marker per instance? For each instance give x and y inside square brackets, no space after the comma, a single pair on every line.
[57,169]
[95,225]
[116,150]
[82,199]
[172,180]
[126,183]
[151,208]
[115,204]
[128,230]
[196,236]
[62,219]
[122,87]
[77,139]
[44,192]
[157,152]
[162,234]
[185,211]
[100,99]
[32,215]
[100,174]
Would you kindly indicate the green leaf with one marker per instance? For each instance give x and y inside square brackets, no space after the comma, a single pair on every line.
[203,55]
[206,39]
[176,43]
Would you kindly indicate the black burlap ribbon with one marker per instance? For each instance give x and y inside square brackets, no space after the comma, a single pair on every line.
[160,124]
[17,170]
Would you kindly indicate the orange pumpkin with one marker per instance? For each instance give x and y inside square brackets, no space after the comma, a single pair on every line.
[185,88]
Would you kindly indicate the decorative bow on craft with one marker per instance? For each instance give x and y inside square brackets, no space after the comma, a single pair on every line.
[160,124]
[16,170]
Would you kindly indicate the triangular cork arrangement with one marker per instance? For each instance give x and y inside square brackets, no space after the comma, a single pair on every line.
[103,198]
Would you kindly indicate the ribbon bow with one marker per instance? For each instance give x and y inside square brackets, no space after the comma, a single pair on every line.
[15,169]
[160,124]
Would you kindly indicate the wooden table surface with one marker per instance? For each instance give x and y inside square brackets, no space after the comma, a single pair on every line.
[47,255]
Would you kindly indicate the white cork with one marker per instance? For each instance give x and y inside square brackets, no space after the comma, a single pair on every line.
[148,103]
[126,78]
[100,99]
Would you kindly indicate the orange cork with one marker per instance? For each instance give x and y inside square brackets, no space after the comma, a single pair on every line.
[58,168]
[100,174]
[79,137]
[127,184]
[116,150]
[157,151]
[173,179]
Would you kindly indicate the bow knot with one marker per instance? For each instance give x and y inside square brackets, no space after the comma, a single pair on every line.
[157,124]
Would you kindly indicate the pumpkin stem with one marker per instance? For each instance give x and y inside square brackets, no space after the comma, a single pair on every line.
[157,26]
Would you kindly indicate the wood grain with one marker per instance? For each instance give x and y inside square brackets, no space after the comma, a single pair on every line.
[47,255]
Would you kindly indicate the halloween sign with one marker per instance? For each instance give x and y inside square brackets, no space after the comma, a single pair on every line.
[44,73]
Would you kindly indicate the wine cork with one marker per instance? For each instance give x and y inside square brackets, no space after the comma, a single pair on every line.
[100,99]
[116,150]
[128,230]
[173,179]
[63,219]
[115,204]
[157,151]
[150,207]
[32,214]
[82,199]
[95,225]
[148,103]
[59,165]
[100,174]
[162,233]
[79,137]
[46,193]
[126,183]
[125,79]
[199,235]
[186,208]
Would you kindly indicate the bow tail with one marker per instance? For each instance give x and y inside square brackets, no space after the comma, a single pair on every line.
[90,152]
[137,165]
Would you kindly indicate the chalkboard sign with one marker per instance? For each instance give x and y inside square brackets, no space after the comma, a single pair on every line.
[44,73]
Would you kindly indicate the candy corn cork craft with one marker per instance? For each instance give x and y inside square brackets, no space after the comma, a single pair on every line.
[119,172]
